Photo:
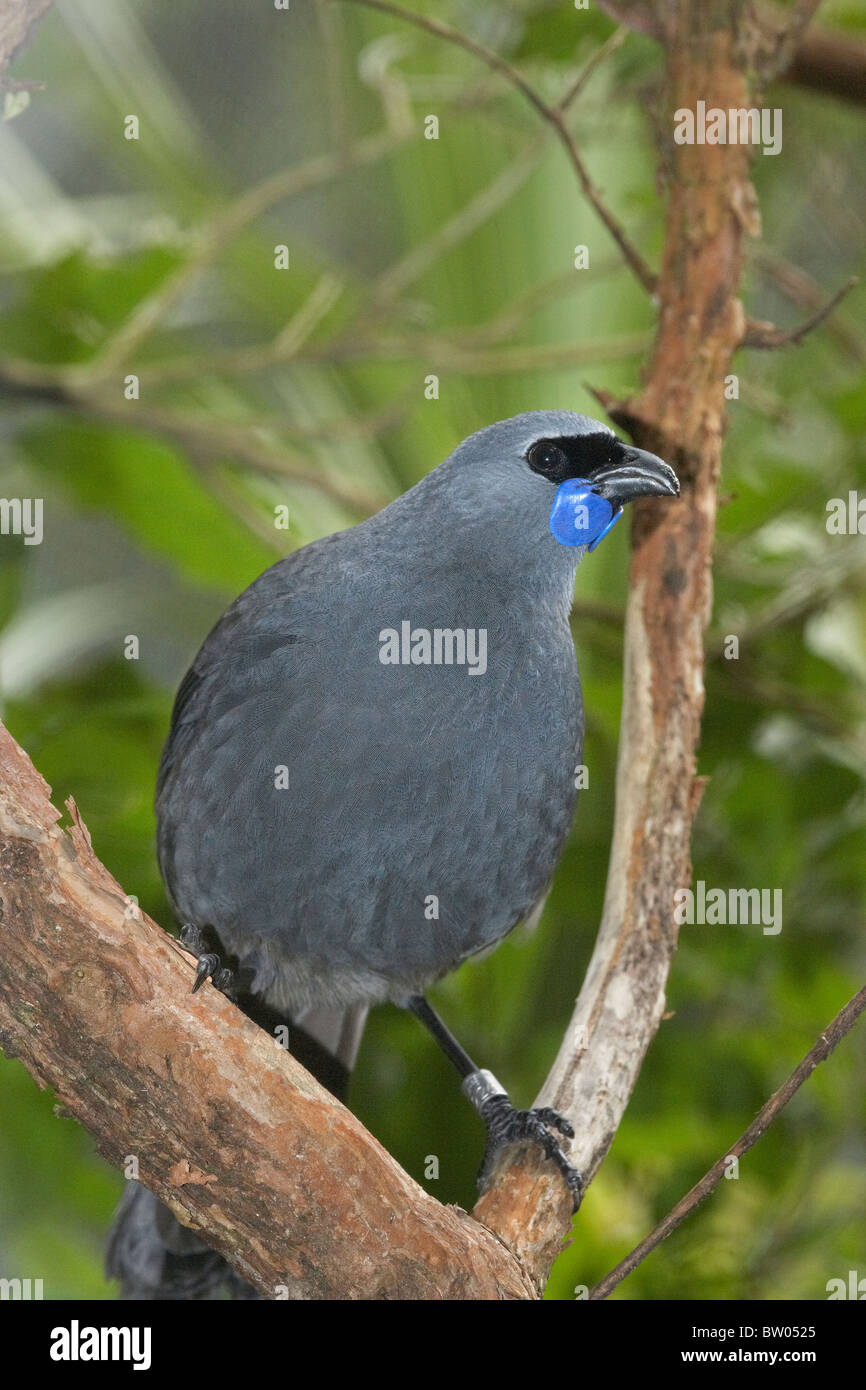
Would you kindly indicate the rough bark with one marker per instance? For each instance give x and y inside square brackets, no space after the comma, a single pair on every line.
[227,1127]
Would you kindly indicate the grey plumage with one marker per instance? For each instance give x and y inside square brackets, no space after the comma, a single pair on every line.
[407,783]
[155,1257]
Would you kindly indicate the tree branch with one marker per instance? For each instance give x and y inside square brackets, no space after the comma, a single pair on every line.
[759,334]
[803,290]
[829,1039]
[832,64]
[227,1128]
[782,31]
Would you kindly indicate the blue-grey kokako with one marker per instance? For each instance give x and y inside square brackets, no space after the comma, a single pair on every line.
[370,773]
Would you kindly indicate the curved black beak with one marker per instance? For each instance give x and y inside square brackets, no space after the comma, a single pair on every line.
[635,474]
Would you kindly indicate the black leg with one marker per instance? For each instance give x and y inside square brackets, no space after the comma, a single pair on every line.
[443,1035]
[505,1125]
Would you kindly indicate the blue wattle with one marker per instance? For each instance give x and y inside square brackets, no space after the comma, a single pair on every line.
[580,516]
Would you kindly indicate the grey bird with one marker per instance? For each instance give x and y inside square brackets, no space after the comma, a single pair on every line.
[370,774]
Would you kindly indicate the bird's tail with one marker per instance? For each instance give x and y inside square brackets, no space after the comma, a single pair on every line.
[156,1258]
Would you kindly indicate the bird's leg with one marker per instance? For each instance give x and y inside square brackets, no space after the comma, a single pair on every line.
[210,966]
[505,1124]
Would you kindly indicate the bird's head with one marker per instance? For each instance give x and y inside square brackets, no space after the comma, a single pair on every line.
[548,478]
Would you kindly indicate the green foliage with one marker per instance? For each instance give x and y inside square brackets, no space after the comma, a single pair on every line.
[65,309]
[150,491]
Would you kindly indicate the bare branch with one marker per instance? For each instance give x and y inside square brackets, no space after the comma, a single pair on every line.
[600,56]
[828,717]
[481,206]
[521,308]
[760,334]
[438,352]
[829,1039]
[318,303]
[812,588]
[330,27]
[802,289]
[830,63]
[634,14]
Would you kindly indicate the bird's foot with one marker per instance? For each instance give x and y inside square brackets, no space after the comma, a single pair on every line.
[507,1125]
[210,966]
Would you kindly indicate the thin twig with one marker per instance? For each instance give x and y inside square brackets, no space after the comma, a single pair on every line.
[553,290]
[832,1035]
[597,611]
[448,354]
[600,56]
[800,287]
[232,443]
[811,590]
[757,686]
[335,74]
[766,335]
[231,497]
[318,303]
[553,115]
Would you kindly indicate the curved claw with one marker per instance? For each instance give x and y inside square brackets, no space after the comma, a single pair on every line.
[208,968]
[506,1126]
[553,1117]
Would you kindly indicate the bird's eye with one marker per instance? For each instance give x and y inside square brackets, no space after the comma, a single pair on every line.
[548,460]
